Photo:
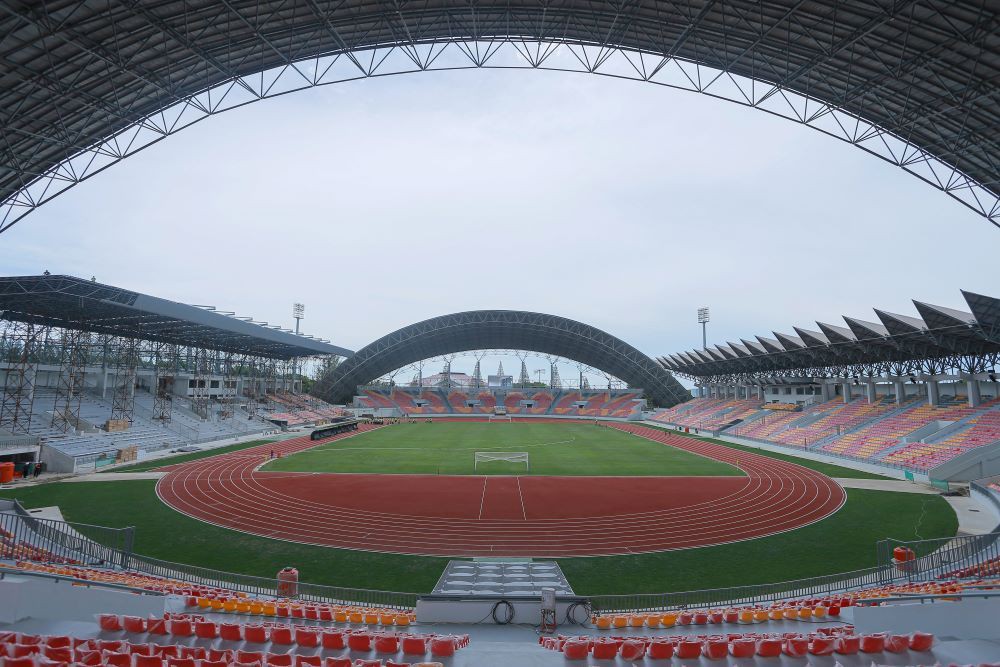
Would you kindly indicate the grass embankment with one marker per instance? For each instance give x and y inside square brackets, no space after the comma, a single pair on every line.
[144,466]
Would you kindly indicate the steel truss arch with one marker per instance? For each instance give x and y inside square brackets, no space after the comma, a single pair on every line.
[87,84]
[483,354]
[501,329]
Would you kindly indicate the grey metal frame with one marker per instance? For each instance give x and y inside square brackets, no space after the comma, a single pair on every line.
[941,339]
[489,329]
[913,82]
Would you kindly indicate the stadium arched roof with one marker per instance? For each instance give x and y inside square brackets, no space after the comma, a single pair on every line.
[509,329]
[85,83]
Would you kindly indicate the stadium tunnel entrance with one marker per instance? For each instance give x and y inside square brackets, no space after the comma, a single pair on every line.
[512,329]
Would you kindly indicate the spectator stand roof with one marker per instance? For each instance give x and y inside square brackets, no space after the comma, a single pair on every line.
[86,83]
[75,303]
[940,339]
[501,329]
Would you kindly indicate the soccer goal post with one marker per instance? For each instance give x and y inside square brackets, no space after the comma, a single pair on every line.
[501,418]
[512,457]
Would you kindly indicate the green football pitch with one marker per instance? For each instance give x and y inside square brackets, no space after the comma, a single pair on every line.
[448,448]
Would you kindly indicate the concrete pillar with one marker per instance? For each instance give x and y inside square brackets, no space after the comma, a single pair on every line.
[845,388]
[870,391]
[932,392]
[825,391]
[972,389]
[900,389]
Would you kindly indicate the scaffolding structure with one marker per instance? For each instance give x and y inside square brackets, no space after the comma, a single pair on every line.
[20,341]
[72,372]
[125,352]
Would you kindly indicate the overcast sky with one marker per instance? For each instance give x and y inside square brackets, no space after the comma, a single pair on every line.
[384,202]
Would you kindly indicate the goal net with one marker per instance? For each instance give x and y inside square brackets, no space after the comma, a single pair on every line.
[512,457]
[501,418]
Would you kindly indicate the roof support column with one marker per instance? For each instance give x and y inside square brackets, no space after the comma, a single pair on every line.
[845,388]
[899,388]
[826,392]
[972,390]
[870,390]
[933,398]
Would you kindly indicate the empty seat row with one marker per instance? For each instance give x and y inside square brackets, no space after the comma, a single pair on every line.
[739,646]
[356,614]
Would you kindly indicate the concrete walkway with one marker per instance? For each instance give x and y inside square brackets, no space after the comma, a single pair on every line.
[886,485]
[114,476]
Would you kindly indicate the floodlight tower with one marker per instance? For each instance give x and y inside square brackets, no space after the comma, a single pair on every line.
[298,312]
[703,321]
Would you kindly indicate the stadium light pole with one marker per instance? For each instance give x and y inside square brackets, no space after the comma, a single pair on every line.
[703,321]
[298,312]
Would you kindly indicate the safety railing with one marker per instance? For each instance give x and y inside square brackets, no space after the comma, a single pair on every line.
[31,538]
[962,556]
[265,587]
[745,595]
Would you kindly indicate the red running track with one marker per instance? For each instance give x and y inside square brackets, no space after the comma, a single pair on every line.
[503,516]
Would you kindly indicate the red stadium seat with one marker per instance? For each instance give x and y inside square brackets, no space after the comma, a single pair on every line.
[255,634]
[308,661]
[206,630]
[115,659]
[359,641]
[575,649]
[337,662]
[848,644]
[716,648]
[280,635]
[796,647]
[605,650]
[874,643]
[770,648]
[659,649]
[413,645]
[442,647]
[134,624]
[278,660]
[632,649]
[333,639]
[307,637]
[897,643]
[743,648]
[688,649]
[921,641]
[387,644]
[821,645]
[109,622]
[181,627]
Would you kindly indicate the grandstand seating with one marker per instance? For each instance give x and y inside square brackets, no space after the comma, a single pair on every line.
[134,642]
[825,641]
[882,439]
[543,401]
[436,403]
[458,401]
[512,401]
[564,404]
[836,418]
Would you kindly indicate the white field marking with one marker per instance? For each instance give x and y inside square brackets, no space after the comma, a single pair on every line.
[521,496]
[482,500]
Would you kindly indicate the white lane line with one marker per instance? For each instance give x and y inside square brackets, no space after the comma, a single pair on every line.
[521,496]
[483,500]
